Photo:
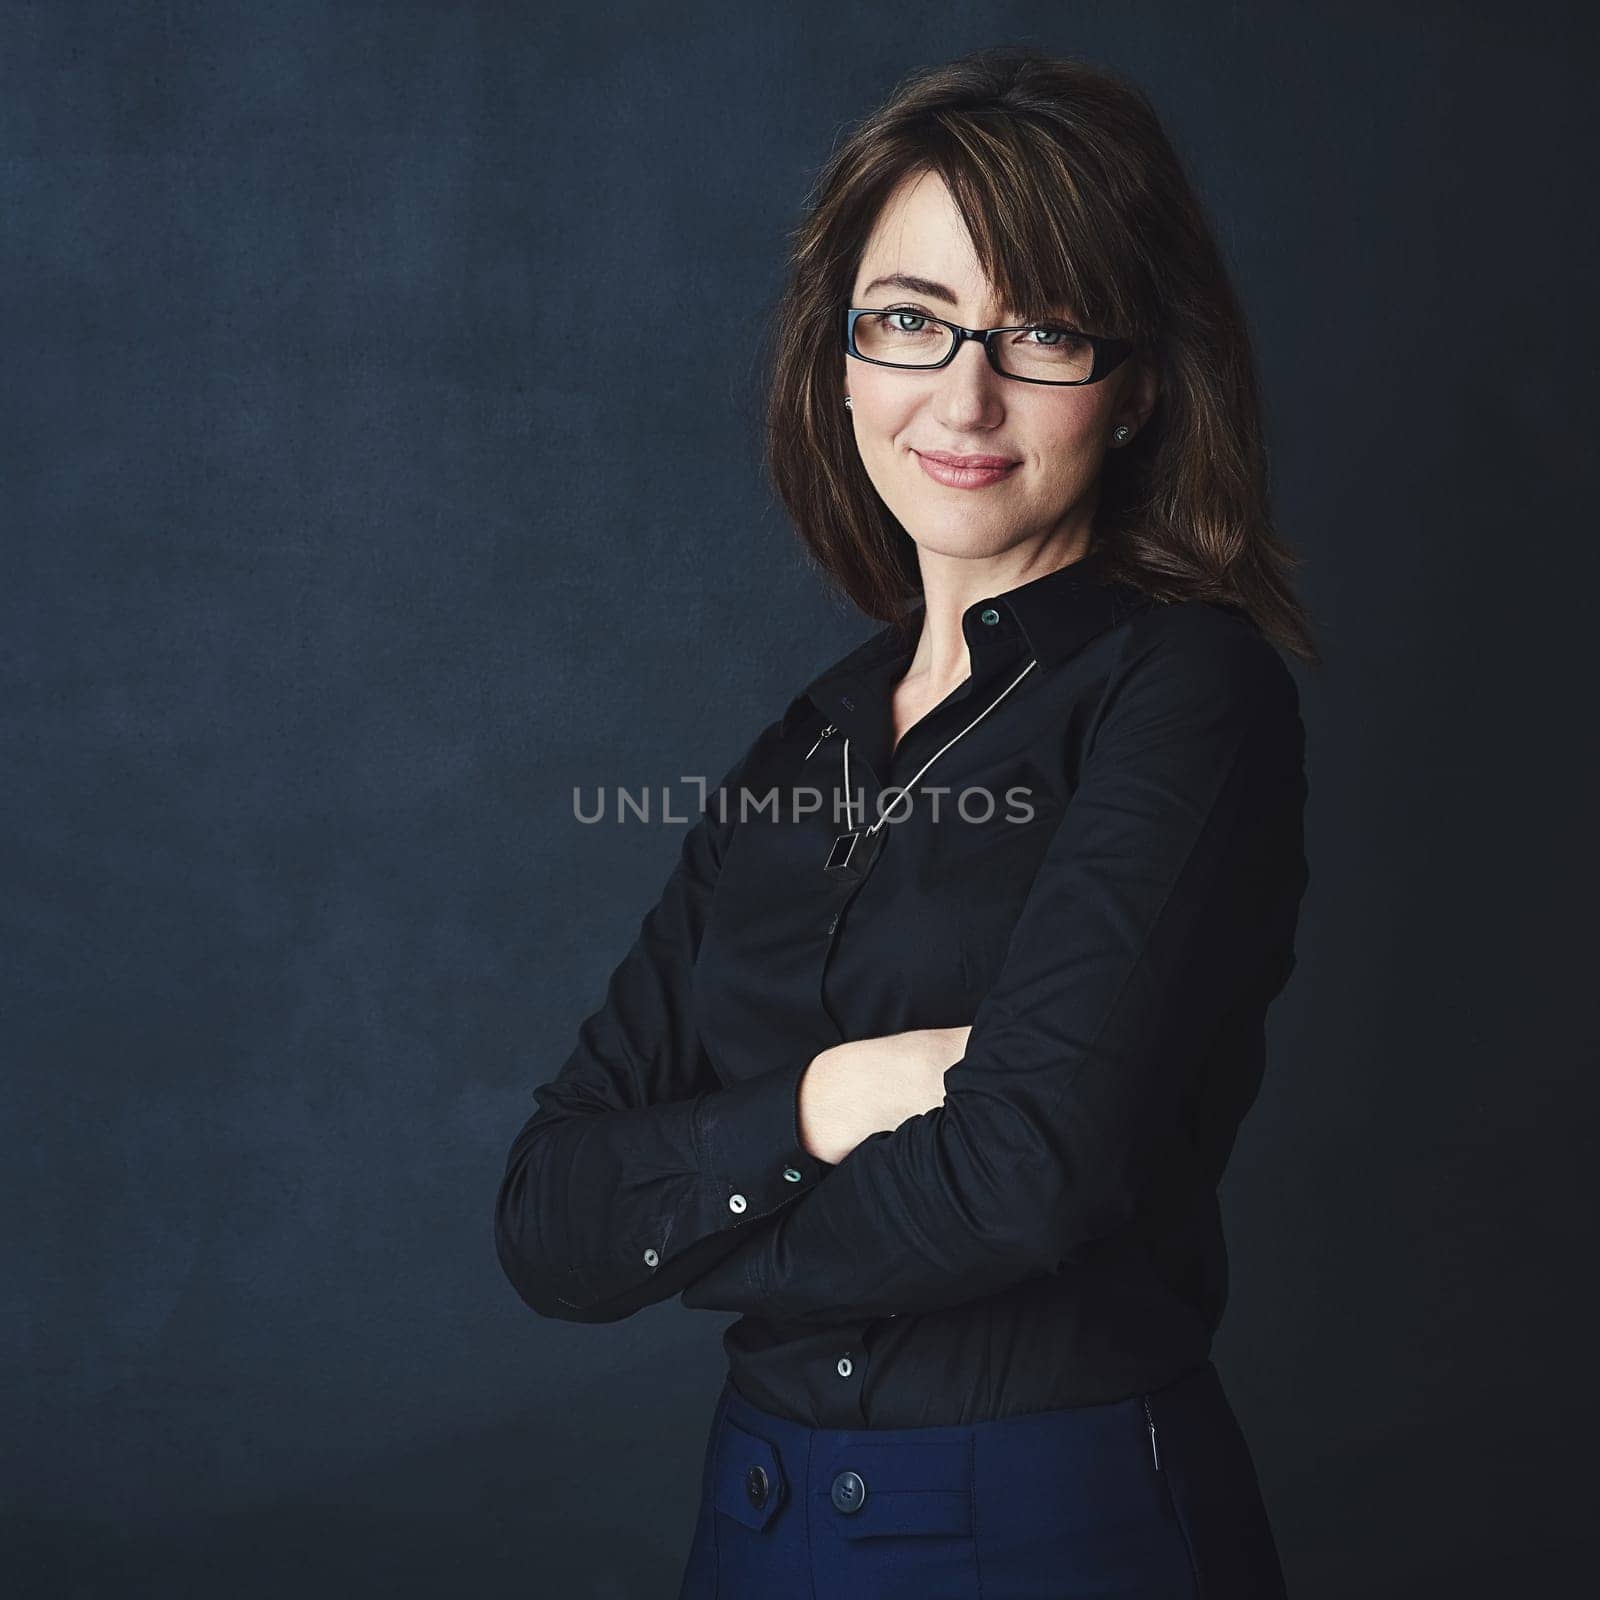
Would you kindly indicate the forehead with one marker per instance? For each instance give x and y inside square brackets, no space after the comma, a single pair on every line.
[920,241]
[919,232]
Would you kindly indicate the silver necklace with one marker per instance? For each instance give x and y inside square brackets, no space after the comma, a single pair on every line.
[844,859]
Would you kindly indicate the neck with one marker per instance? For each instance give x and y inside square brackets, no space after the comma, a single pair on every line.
[950,584]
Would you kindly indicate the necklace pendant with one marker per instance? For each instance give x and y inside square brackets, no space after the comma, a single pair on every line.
[853,853]
[842,853]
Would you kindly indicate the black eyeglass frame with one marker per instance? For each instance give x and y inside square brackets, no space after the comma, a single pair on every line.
[1109,354]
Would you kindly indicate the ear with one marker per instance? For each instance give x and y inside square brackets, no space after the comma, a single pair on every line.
[1140,391]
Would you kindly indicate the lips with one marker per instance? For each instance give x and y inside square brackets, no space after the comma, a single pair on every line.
[981,463]
[955,472]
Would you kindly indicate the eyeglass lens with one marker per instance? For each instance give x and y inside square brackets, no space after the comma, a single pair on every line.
[909,339]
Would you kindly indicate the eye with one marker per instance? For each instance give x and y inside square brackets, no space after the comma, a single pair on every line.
[902,316]
[1054,338]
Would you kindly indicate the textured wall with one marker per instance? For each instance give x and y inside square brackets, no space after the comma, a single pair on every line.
[371,477]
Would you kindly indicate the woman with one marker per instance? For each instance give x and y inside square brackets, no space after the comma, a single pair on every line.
[936,1091]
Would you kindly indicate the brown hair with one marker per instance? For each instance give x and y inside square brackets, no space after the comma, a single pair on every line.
[1071,192]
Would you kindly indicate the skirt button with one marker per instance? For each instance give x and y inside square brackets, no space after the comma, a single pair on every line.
[849,1492]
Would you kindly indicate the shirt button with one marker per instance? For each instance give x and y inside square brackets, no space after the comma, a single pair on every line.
[651,1258]
[736,1202]
[845,1369]
[991,616]
[791,1175]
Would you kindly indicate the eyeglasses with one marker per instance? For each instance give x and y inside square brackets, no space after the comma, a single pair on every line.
[1042,352]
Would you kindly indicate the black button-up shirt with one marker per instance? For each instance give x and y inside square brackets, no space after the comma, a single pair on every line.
[1050,1235]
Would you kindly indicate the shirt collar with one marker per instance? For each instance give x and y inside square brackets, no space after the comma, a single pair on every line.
[1048,619]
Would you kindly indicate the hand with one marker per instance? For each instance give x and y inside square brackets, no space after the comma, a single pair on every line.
[868,1086]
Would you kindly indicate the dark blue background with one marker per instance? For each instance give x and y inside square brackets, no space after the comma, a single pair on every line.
[379,451]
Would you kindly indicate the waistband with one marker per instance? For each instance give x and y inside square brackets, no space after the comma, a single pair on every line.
[921,1479]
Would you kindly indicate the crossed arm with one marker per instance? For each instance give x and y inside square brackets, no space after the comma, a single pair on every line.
[639,1169]
[1167,896]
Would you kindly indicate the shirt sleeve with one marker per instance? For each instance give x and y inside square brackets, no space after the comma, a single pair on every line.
[639,1169]
[1167,897]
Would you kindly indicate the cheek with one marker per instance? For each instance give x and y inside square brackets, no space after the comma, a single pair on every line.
[1078,420]
[887,407]
[1071,441]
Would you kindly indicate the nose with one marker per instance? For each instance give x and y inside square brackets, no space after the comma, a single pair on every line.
[971,389]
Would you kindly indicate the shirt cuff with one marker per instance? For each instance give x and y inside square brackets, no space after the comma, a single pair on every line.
[749,1138]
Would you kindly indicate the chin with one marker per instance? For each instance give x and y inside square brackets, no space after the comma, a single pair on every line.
[960,542]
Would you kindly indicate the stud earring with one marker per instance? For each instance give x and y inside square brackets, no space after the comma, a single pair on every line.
[1123,434]
[847,404]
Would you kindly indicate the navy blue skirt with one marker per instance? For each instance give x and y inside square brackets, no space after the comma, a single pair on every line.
[1150,1498]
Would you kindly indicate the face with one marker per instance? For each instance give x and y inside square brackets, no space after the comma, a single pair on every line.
[1055,437]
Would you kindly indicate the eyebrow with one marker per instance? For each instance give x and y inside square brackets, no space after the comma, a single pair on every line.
[904,280]
[926,286]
